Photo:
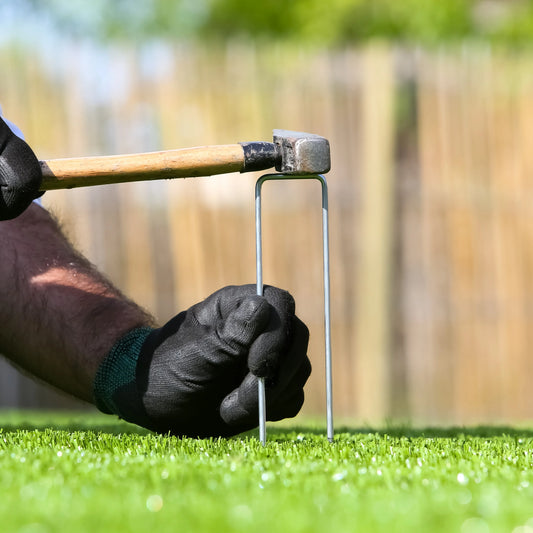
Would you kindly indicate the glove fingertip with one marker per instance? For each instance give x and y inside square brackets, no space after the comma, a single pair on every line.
[240,407]
[251,307]
[281,299]
[231,410]
[264,365]
[246,322]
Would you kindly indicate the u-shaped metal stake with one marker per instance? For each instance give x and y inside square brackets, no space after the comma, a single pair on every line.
[327,319]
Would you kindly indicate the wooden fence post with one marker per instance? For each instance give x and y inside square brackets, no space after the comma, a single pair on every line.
[374,282]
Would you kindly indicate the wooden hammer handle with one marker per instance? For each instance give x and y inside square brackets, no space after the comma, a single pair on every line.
[184,163]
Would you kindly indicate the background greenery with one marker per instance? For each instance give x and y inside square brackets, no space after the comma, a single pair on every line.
[332,23]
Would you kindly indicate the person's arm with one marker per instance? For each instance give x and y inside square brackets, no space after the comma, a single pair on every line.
[59,316]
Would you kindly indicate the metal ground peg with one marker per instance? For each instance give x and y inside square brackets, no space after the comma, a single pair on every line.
[327,318]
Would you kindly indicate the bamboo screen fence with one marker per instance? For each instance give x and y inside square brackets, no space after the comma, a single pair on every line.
[431,206]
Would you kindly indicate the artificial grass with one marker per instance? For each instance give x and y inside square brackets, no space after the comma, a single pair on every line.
[92,473]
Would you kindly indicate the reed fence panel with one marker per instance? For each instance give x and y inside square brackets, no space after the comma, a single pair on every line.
[430,205]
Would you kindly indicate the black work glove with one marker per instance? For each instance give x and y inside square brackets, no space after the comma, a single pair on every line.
[20,174]
[197,375]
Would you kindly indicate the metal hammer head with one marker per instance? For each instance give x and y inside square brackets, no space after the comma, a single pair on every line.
[301,153]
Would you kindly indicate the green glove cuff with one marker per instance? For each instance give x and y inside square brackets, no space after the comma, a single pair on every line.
[118,369]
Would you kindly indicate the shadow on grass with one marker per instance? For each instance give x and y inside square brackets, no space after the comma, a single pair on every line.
[11,421]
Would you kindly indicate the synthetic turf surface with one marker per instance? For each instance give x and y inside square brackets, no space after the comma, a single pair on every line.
[90,473]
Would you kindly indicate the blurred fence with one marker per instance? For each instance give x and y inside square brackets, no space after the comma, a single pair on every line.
[431,206]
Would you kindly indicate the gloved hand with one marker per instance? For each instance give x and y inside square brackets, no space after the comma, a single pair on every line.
[20,174]
[197,375]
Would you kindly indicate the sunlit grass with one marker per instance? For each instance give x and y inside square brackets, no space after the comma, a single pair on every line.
[92,473]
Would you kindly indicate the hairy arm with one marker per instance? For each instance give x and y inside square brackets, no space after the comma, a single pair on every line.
[59,315]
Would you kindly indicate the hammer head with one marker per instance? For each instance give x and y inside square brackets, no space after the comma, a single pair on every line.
[302,153]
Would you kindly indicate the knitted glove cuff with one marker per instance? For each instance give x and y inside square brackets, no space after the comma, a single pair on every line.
[118,369]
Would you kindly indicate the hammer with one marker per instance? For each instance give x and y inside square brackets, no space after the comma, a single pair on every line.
[291,153]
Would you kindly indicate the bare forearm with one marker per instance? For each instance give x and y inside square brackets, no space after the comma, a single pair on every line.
[59,316]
